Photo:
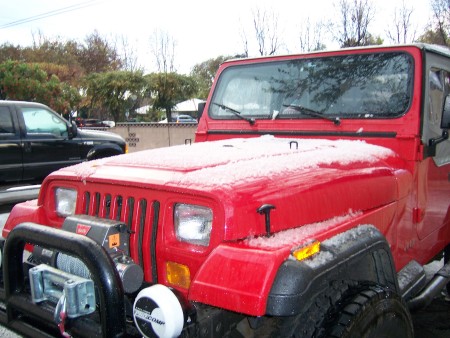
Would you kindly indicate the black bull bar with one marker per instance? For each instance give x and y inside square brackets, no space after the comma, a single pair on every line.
[20,309]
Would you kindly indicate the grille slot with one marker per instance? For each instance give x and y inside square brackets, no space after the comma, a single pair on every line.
[140,215]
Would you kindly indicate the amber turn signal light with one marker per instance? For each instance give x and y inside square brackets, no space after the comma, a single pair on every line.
[306,251]
[178,274]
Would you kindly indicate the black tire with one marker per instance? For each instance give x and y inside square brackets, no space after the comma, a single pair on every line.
[310,323]
[446,260]
[375,312]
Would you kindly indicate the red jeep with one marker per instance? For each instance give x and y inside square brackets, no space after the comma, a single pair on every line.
[321,192]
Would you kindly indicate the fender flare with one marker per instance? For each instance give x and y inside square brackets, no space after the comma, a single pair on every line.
[104,150]
[359,254]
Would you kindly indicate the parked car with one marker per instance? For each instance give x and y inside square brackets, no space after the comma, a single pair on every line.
[109,124]
[185,119]
[35,140]
[91,123]
[79,122]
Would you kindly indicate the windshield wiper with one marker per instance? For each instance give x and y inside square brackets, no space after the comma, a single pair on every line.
[236,113]
[312,112]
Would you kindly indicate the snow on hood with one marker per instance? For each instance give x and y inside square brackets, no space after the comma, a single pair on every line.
[297,236]
[235,161]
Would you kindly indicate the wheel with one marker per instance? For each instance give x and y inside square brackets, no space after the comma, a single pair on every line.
[446,259]
[312,322]
[375,312]
[346,310]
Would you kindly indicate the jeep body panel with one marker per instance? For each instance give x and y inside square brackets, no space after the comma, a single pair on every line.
[352,179]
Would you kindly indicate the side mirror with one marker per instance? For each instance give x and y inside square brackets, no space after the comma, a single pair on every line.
[200,109]
[445,122]
[72,130]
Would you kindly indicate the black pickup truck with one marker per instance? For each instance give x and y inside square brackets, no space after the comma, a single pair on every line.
[35,140]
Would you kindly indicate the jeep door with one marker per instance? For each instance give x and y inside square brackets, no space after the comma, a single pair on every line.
[46,143]
[433,189]
[10,146]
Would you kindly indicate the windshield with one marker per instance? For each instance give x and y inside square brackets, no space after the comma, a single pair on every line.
[349,86]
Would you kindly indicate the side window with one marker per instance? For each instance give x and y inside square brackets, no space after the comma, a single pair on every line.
[6,122]
[40,121]
[439,88]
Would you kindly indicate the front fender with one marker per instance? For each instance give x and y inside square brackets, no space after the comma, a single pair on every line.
[104,150]
[359,254]
[237,278]
[28,211]
[270,282]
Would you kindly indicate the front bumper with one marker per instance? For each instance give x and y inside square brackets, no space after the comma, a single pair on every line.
[112,317]
[30,319]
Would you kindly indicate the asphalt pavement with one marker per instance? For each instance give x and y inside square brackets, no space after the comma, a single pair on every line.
[433,321]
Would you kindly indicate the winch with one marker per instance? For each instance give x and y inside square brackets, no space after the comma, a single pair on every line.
[113,236]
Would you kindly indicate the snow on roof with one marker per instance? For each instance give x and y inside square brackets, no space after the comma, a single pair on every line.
[235,161]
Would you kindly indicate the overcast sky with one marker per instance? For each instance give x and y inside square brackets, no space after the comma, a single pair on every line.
[201,29]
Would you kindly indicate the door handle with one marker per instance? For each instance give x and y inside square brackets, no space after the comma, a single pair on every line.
[26,147]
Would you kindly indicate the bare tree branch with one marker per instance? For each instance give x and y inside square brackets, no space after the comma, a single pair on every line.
[356,16]
[401,30]
[128,54]
[441,10]
[244,42]
[266,31]
[163,49]
[311,36]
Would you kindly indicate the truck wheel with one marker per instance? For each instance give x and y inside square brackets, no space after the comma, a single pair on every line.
[310,323]
[373,312]
[446,260]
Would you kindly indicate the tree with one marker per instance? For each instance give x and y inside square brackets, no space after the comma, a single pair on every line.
[244,39]
[356,16]
[29,82]
[311,36]
[114,93]
[265,25]
[163,49]
[441,10]
[400,29]
[266,31]
[168,89]
[9,51]
[204,74]
[128,55]
[438,31]
[50,54]
[98,55]
[55,50]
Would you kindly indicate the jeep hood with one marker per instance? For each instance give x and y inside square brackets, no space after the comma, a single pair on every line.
[307,180]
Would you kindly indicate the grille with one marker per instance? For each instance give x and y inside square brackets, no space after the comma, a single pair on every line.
[140,215]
